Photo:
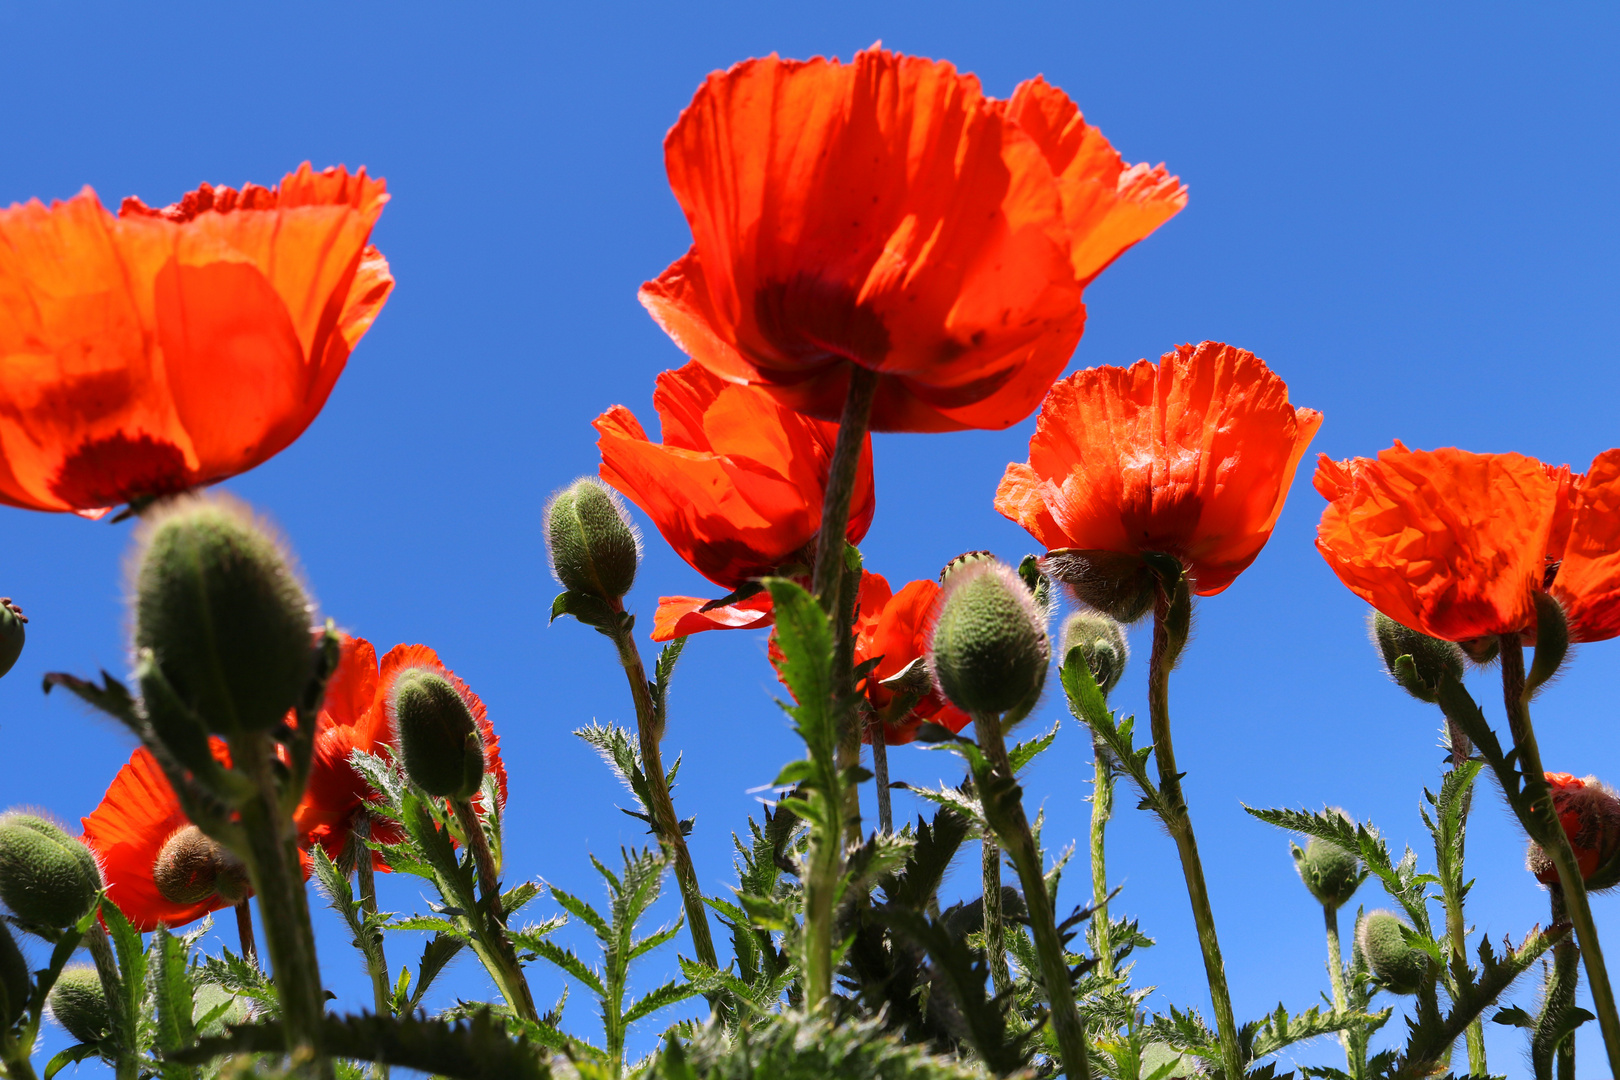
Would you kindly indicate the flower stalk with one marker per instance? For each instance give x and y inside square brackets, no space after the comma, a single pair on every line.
[995,932]
[514,984]
[1102,809]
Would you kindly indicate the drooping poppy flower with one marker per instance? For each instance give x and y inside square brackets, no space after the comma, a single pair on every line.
[736,488]
[1190,457]
[886,213]
[1456,544]
[1589,812]
[160,350]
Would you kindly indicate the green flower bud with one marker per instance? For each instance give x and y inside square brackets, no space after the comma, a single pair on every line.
[593,545]
[12,633]
[1399,967]
[1431,657]
[1102,641]
[967,558]
[1331,873]
[47,877]
[221,609]
[438,738]
[79,1004]
[990,649]
[15,985]
[192,867]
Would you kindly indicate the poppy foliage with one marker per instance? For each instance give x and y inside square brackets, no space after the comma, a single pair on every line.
[1456,544]
[1190,457]
[159,350]
[736,487]
[886,213]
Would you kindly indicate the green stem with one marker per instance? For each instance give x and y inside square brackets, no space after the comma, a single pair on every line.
[1102,809]
[366,877]
[513,983]
[1540,821]
[852,429]
[1341,1000]
[15,1059]
[995,932]
[880,772]
[826,858]
[1177,819]
[1012,830]
[244,932]
[1456,927]
[1556,1001]
[662,811]
[112,988]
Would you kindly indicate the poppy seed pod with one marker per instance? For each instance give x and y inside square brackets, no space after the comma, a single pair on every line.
[221,609]
[79,1004]
[1331,873]
[46,876]
[989,649]
[12,633]
[438,737]
[594,547]
[1431,657]
[1102,641]
[15,986]
[1589,812]
[1400,968]
[192,867]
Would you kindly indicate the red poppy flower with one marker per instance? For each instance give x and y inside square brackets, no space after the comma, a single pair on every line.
[1190,457]
[1589,812]
[736,487]
[887,213]
[160,350]
[1456,544]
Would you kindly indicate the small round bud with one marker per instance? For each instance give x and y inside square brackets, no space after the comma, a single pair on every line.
[593,545]
[47,877]
[1102,641]
[1589,811]
[217,602]
[989,647]
[12,633]
[1331,873]
[1399,967]
[15,986]
[438,738]
[1118,585]
[79,1004]
[192,867]
[1431,657]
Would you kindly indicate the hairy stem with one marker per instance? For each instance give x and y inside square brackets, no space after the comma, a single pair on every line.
[1548,1057]
[1102,809]
[1179,822]
[1011,824]
[514,984]
[995,932]
[665,821]
[852,429]
[880,772]
[1536,814]
[366,877]
[1341,1000]
[101,951]
[244,933]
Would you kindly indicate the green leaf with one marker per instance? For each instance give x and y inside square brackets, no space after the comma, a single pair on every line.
[71,1056]
[568,961]
[593,611]
[804,636]
[172,990]
[1026,752]
[669,994]
[436,954]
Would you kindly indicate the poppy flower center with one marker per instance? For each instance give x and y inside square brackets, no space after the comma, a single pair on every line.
[117,468]
[810,318]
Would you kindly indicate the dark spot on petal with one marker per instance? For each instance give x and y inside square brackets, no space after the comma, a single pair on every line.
[118,469]
[808,319]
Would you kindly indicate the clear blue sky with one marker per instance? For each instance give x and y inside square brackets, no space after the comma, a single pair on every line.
[1407,210]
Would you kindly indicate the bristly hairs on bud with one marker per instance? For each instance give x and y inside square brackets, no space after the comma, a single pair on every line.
[988,646]
[592,543]
[1400,967]
[1105,646]
[1432,658]
[48,877]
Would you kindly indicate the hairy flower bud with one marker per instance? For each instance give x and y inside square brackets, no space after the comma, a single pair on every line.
[1589,812]
[1331,873]
[1399,967]
[79,1004]
[15,986]
[1102,642]
[1120,586]
[47,877]
[1431,657]
[12,633]
[593,545]
[967,558]
[438,738]
[192,867]
[220,607]
[989,647]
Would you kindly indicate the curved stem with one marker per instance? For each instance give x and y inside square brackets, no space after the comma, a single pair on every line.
[1540,821]
[515,986]
[995,935]
[1102,809]
[1179,822]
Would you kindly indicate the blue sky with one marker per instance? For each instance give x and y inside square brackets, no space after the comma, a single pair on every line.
[1407,210]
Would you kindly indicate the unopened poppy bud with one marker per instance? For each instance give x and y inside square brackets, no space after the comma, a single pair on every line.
[79,1004]
[989,648]
[1102,642]
[192,867]
[1331,873]
[15,987]
[1400,968]
[593,545]
[1431,658]
[47,877]
[217,602]
[1120,586]
[12,633]
[967,558]
[1589,811]
[438,738]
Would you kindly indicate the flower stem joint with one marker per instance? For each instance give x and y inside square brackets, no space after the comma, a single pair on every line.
[438,737]
[989,649]
[1400,967]
[47,878]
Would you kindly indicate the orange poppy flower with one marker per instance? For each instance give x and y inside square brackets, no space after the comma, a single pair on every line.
[736,488]
[1589,812]
[1456,544]
[160,350]
[1190,457]
[887,213]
